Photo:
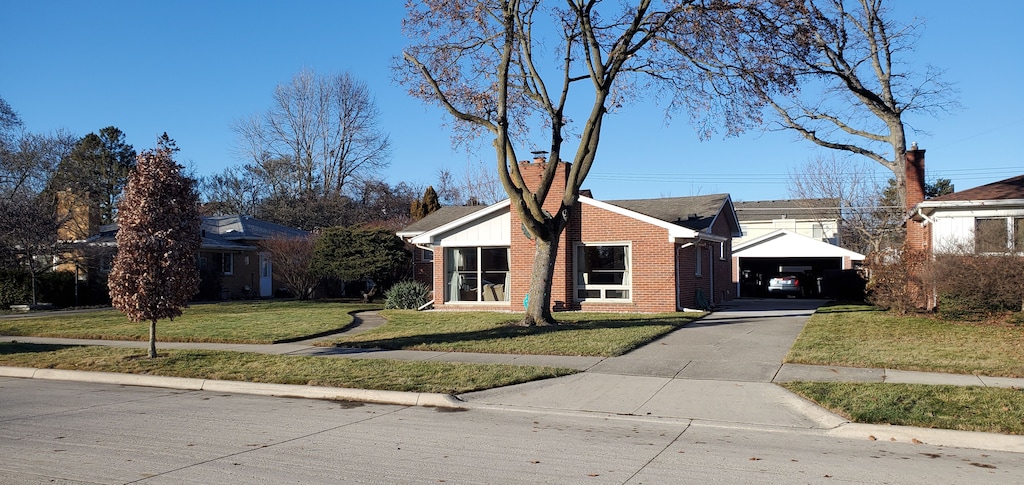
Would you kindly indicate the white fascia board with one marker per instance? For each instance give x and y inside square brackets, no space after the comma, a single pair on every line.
[675,232]
[930,206]
[429,238]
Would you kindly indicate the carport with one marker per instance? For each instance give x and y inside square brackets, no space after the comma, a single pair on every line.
[786,252]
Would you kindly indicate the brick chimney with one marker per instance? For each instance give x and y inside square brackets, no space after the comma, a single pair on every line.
[76,215]
[917,233]
[533,173]
[915,176]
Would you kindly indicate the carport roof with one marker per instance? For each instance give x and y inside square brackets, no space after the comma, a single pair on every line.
[788,244]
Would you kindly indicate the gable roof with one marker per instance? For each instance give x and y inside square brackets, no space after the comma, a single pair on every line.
[697,213]
[785,243]
[1011,188]
[438,218]
[682,217]
[767,210]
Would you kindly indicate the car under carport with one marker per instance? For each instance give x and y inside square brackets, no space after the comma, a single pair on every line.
[784,252]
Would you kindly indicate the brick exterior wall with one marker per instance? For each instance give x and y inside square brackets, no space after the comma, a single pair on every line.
[654,260]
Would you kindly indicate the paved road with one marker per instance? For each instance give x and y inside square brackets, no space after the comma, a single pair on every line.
[716,372]
[77,433]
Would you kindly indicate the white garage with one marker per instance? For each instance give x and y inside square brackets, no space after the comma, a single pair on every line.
[756,261]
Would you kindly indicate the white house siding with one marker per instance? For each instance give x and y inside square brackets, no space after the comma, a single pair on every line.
[493,231]
[951,228]
[820,230]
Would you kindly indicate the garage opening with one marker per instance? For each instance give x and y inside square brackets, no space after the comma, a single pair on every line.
[756,273]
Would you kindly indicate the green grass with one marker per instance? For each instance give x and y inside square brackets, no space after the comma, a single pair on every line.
[255,322]
[381,374]
[861,336]
[987,409]
[591,334]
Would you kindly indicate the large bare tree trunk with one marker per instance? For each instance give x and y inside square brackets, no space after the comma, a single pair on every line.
[152,339]
[538,308]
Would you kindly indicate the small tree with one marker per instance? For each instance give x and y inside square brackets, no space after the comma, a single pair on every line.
[154,272]
[361,253]
[423,207]
[293,262]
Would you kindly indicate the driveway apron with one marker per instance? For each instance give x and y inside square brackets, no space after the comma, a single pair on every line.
[719,368]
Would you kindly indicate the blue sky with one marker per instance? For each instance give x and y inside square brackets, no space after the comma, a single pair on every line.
[191,68]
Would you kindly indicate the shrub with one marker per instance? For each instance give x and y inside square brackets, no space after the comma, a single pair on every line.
[13,288]
[895,281]
[406,295]
[974,286]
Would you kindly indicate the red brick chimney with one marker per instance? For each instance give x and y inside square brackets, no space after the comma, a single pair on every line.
[915,176]
[533,173]
[916,232]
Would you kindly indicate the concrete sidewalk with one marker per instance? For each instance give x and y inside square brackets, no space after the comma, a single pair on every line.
[720,369]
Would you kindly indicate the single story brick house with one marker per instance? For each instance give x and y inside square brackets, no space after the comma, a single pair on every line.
[230,260]
[648,255]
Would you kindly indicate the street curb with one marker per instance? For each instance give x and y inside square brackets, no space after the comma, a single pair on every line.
[255,388]
[930,436]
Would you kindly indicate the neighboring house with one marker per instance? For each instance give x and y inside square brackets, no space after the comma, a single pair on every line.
[799,236]
[985,219]
[652,255]
[230,261]
[815,218]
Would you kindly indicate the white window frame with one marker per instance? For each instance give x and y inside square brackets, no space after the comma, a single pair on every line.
[453,296]
[581,285]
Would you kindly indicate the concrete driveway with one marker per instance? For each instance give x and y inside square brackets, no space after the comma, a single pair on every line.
[719,368]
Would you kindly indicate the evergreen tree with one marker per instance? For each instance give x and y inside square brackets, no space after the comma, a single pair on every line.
[98,166]
[425,206]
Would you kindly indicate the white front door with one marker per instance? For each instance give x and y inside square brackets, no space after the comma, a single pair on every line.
[266,276]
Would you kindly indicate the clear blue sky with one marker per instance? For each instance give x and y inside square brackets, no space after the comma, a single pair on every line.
[191,68]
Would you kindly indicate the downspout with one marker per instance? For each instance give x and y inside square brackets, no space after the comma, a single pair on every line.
[679,277]
[711,279]
[927,220]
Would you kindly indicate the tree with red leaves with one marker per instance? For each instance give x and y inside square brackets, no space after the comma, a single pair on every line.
[154,272]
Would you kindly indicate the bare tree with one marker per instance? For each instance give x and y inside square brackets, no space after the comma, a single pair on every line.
[321,132]
[292,258]
[154,272]
[236,190]
[866,91]
[865,224]
[475,185]
[493,66]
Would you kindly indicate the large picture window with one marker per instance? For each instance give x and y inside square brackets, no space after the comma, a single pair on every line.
[990,235]
[602,272]
[477,274]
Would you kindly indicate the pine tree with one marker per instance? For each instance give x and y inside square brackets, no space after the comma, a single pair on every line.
[154,272]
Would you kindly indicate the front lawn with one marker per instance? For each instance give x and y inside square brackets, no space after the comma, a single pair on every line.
[256,322]
[592,334]
[380,374]
[862,336]
[987,409]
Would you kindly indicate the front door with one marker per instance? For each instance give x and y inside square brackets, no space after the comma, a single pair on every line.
[266,276]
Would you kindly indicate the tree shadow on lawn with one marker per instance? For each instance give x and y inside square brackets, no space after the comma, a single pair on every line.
[11,348]
[511,332]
